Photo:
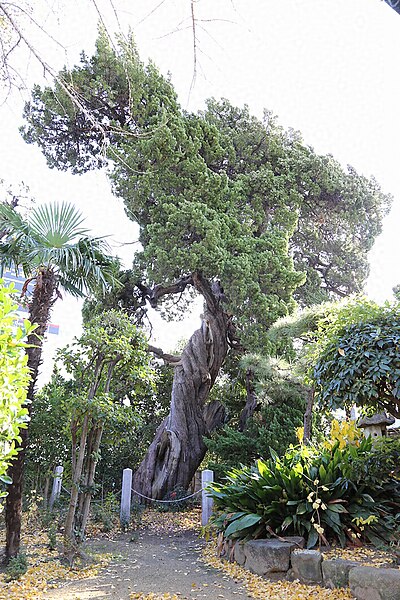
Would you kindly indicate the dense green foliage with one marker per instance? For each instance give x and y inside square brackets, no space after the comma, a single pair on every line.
[280,403]
[318,492]
[347,350]
[124,442]
[133,407]
[273,426]
[110,348]
[14,378]
[49,439]
[219,192]
[334,205]
[359,362]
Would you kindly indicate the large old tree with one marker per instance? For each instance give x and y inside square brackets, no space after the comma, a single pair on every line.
[229,207]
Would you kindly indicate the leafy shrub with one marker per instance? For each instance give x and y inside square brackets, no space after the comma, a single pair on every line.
[14,379]
[16,567]
[381,465]
[357,359]
[271,427]
[52,536]
[317,492]
[106,512]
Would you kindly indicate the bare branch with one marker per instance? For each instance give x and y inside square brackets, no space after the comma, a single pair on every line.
[151,12]
[170,359]
[116,15]
[153,295]
[193,82]
[103,23]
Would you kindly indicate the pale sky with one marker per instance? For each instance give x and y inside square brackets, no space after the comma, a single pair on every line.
[328,68]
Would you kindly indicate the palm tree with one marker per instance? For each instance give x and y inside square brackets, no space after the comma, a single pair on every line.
[55,253]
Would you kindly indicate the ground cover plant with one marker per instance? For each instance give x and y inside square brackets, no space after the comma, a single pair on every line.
[317,491]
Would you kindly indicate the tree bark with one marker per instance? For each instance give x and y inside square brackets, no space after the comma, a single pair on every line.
[69,540]
[87,496]
[46,492]
[178,447]
[44,295]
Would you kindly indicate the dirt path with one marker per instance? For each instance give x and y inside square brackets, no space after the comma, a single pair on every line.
[158,562]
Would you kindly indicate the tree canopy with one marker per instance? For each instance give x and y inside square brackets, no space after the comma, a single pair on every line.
[348,352]
[220,192]
[229,206]
[359,362]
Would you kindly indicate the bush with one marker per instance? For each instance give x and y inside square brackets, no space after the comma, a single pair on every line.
[16,567]
[272,427]
[106,513]
[319,492]
[14,380]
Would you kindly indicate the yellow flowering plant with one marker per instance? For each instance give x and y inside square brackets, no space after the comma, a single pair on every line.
[311,491]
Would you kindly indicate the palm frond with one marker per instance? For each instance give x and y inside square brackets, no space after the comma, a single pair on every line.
[56,224]
[87,265]
[16,241]
[53,237]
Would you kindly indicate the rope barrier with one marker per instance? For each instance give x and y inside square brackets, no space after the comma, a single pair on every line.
[167,501]
[65,490]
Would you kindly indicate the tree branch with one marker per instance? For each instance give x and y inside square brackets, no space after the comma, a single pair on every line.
[170,359]
[153,295]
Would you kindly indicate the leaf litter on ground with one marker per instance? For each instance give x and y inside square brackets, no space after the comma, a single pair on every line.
[46,571]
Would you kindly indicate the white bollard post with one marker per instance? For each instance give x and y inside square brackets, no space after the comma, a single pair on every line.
[207,477]
[125,513]
[55,492]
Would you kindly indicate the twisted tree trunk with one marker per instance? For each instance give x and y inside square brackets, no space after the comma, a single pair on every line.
[178,447]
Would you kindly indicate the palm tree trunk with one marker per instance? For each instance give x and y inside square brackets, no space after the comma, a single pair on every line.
[44,295]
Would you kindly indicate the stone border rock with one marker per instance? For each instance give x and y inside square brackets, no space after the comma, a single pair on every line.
[287,557]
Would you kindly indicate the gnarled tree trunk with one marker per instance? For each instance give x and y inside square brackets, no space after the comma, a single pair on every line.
[178,447]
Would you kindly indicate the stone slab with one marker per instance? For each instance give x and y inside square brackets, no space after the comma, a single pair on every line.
[239,554]
[296,540]
[306,565]
[335,572]
[370,583]
[267,556]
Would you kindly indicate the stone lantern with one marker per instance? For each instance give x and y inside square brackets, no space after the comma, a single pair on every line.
[376,425]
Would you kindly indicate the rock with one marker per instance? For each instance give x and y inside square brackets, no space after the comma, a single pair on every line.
[296,540]
[371,583]
[306,565]
[267,556]
[239,554]
[335,572]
